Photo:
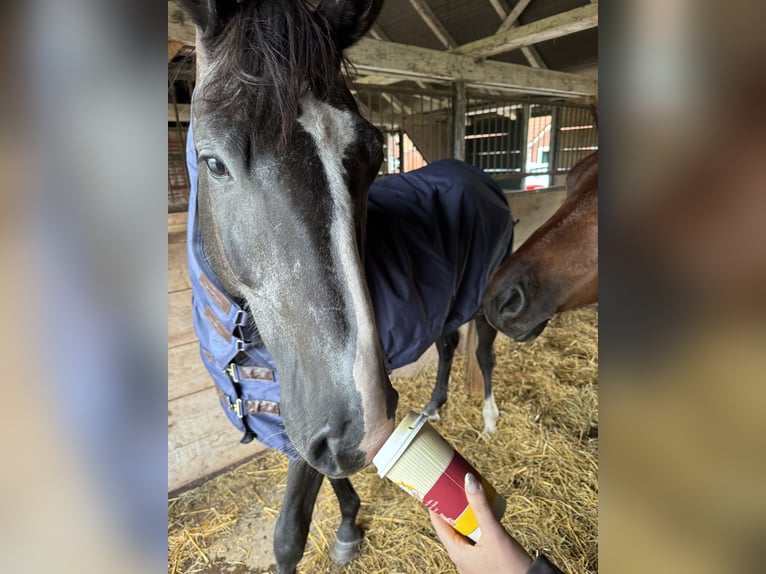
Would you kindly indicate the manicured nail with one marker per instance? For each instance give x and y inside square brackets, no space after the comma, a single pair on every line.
[471,484]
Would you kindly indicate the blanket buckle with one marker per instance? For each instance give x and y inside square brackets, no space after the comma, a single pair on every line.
[232,372]
[235,406]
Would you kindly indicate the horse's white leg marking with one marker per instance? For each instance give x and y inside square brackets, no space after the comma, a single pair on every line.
[433,417]
[490,414]
[332,130]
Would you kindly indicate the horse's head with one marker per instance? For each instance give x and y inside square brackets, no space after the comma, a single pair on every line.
[556,269]
[286,161]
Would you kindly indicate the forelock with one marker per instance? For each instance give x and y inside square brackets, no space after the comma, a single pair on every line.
[269,55]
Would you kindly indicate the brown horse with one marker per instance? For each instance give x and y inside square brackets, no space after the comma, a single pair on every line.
[556,269]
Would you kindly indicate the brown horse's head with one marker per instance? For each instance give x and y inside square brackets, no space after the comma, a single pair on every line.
[556,269]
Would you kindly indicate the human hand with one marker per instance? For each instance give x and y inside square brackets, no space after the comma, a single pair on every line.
[495,552]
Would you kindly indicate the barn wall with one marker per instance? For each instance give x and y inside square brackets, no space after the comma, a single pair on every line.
[201,440]
[532,209]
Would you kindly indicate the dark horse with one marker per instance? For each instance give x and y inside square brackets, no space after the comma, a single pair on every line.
[286,164]
[556,269]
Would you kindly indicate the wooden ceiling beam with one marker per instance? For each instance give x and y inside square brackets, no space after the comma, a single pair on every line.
[173,49]
[506,15]
[378,33]
[433,22]
[512,17]
[378,80]
[415,63]
[501,7]
[556,26]
[533,57]
[180,27]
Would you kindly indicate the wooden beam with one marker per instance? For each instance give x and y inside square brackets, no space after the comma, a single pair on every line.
[433,22]
[387,58]
[377,80]
[412,62]
[501,7]
[556,26]
[184,112]
[379,33]
[513,15]
[396,104]
[173,49]
[180,27]
[530,52]
[533,57]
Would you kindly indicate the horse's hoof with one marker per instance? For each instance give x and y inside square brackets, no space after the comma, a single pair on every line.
[432,413]
[341,553]
[489,429]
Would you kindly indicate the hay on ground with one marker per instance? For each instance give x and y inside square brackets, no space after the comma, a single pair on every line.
[543,459]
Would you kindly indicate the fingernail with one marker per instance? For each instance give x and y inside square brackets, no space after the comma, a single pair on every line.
[471,484]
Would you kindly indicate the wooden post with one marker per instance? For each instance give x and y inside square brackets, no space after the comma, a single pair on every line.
[458,121]
[473,381]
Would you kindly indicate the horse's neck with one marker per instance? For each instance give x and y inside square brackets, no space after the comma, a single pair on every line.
[582,173]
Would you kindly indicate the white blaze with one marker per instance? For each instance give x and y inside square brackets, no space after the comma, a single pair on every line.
[333,131]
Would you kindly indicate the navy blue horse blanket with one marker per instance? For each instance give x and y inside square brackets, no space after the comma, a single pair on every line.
[434,237]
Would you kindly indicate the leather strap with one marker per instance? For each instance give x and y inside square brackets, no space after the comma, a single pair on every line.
[253,407]
[220,299]
[217,325]
[255,373]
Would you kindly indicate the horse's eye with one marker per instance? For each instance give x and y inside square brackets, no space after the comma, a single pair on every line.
[216,166]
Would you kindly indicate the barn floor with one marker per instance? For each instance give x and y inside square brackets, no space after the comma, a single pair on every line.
[543,459]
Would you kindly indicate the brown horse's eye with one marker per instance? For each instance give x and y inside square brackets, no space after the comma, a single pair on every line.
[216,166]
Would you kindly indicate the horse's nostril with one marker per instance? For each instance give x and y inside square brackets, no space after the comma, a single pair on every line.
[513,302]
[320,448]
[326,451]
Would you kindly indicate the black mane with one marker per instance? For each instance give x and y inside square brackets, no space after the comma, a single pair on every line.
[269,55]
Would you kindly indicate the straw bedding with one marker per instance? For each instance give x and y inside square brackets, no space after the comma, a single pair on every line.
[543,459]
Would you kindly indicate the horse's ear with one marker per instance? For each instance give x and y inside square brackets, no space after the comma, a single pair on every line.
[349,19]
[210,16]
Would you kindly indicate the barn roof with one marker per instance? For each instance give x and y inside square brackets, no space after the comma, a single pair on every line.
[546,48]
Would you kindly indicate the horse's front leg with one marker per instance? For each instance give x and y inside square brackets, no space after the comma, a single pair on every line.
[349,536]
[485,356]
[292,529]
[445,346]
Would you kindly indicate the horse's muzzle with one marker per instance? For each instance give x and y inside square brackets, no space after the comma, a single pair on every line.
[503,308]
[509,311]
[511,302]
[330,454]
[533,333]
